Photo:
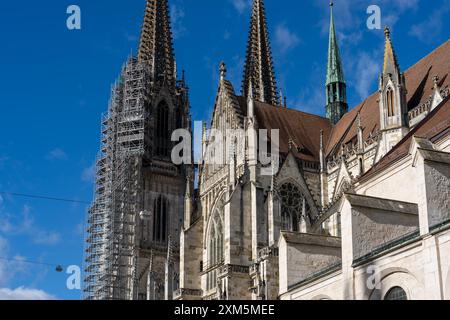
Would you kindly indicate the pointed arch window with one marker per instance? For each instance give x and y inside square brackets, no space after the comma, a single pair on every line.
[215,239]
[390,102]
[214,246]
[293,206]
[160,219]
[162,134]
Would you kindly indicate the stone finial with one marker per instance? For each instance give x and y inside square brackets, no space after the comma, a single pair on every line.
[436,82]
[223,71]
[387,32]
[321,139]
[291,144]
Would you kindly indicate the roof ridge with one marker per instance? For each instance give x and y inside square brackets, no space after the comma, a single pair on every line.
[291,109]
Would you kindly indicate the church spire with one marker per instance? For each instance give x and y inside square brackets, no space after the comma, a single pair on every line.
[259,68]
[335,84]
[390,65]
[394,124]
[155,46]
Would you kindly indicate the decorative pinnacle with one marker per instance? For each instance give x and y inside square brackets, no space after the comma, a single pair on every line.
[223,71]
[156,43]
[387,32]
[321,139]
[259,64]
[359,119]
[436,81]
[291,143]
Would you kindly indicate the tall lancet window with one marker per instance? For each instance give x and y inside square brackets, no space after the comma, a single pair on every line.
[162,143]
[214,244]
[390,102]
[160,219]
[293,206]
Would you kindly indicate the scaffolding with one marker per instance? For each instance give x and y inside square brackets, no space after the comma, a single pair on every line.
[111,256]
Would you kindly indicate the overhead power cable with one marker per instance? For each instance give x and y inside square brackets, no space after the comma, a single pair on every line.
[32,196]
[58,267]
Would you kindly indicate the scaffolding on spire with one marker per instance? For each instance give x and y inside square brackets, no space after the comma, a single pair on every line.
[111,259]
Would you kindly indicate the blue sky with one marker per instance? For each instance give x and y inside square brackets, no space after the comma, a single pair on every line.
[55,84]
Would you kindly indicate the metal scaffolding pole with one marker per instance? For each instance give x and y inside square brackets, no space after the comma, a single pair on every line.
[111,256]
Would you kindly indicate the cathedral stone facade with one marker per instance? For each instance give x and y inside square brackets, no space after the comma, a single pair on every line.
[354,205]
[359,208]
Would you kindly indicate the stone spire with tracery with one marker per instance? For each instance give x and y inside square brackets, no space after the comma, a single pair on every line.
[156,44]
[259,68]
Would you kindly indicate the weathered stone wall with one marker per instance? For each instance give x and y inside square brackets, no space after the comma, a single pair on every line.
[374,227]
[191,256]
[301,255]
[326,288]
[437,179]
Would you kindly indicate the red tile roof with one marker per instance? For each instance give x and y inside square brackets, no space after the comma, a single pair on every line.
[304,128]
[419,83]
[437,122]
[300,127]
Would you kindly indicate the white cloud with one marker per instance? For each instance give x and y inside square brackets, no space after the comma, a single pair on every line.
[348,17]
[310,100]
[4,274]
[241,5]
[88,174]
[57,154]
[177,15]
[366,73]
[403,5]
[131,37]
[3,160]
[431,28]
[23,293]
[46,237]
[79,229]
[285,39]
[9,268]
[25,225]
[227,35]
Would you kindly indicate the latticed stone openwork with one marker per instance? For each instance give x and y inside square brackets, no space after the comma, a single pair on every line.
[156,44]
[259,69]
[293,206]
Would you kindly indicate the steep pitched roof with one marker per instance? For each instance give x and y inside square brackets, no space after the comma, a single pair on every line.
[419,83]
[300,127]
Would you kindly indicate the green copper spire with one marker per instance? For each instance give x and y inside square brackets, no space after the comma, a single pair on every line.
[335,85]
[335,72]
